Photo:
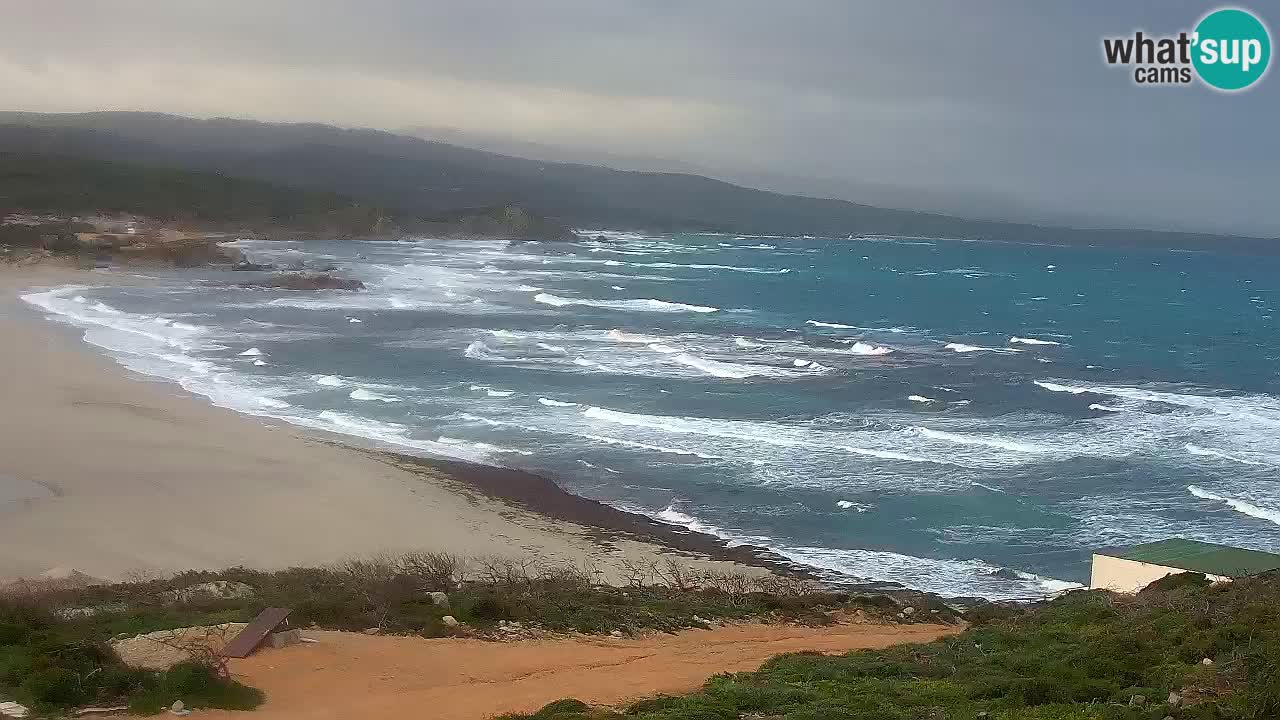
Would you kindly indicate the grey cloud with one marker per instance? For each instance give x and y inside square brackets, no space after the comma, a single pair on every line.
[978,99]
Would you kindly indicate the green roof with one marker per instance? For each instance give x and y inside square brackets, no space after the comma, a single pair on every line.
[1201,557]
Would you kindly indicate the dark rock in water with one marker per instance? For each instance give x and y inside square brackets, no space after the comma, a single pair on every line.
[304,281]
[1006,574]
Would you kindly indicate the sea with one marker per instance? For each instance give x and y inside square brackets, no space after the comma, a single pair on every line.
[967,418]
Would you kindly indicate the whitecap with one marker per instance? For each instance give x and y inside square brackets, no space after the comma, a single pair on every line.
[1240,506]
[861,348]
[1032,341]
[920,399]
[1209,452]
[328,380]
[251,352]
[837,326]
[634,338]
[363,394]
[641,305]
[259,362]
[745,343]
[556,403]
[552,348]
[1104,408]
[985,441]
[963,348]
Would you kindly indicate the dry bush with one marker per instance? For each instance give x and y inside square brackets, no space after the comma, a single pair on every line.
[676,576]
[637,574]
[565,576]
[201,648]
[503,571]
[440,571]
[735,585]
[784,585]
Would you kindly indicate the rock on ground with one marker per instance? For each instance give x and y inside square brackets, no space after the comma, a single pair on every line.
[163,649]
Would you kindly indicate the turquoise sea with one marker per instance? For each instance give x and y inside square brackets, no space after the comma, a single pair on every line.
[964,417]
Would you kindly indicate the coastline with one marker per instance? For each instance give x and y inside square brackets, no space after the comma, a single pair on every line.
[116,475]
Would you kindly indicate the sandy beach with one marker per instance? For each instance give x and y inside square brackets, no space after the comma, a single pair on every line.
[116,476]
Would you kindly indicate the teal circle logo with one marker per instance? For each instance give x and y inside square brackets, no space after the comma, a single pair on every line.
[1231,49]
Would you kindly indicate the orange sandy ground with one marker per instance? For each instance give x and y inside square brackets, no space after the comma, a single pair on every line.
[346,675]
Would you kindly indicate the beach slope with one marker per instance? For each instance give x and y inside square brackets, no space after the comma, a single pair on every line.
[115,475]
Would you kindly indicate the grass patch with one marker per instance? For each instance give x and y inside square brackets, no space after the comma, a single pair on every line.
[1085,655]
[51,664]
[54,652]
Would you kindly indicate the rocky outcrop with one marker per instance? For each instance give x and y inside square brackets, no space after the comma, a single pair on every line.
[213,590]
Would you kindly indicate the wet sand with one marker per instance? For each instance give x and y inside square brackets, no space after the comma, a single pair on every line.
[116,475]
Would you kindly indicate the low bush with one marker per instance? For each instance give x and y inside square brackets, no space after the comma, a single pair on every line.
[1086,655]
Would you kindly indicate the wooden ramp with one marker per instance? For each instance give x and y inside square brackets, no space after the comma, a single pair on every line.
[267,622]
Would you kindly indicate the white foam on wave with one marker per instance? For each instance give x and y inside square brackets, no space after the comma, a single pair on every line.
[949,578]
[985,441]
[920,399]
[1032,341]
[328,380]
[861,348]
[364,394]
[556,403]
[1104,408]
[640,305]
[731,371]
[477,350]
[251,352]
[259,363]
[836,326]
[499,393]
[482,447]
[1057,387]
[754,434]
[1240,506]
[745,343]
[850,505]
[963,348]
[553,348]
[633,338]
[664,349]
[646,446]
[1209,452]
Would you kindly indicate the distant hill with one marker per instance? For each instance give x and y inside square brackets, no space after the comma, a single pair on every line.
[68,186]
[424,178]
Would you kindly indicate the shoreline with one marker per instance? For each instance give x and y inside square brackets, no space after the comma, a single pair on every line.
[109,471]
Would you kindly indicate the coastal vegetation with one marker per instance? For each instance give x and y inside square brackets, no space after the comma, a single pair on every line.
[211,201]
[1181,649]
[56,652]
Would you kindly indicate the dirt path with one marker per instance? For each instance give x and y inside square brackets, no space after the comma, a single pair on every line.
[347,675]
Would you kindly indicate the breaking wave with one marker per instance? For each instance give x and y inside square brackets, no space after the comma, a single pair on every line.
[645,305]
[1241,506]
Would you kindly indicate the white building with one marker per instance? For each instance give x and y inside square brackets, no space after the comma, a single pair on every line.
[1130,569]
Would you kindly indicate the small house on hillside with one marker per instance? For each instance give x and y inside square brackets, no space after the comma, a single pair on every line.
[1132,568]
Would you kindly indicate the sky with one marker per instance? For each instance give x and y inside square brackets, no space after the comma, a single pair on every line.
[985,108]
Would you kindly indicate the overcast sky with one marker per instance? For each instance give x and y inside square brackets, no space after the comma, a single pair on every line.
[1004,100]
